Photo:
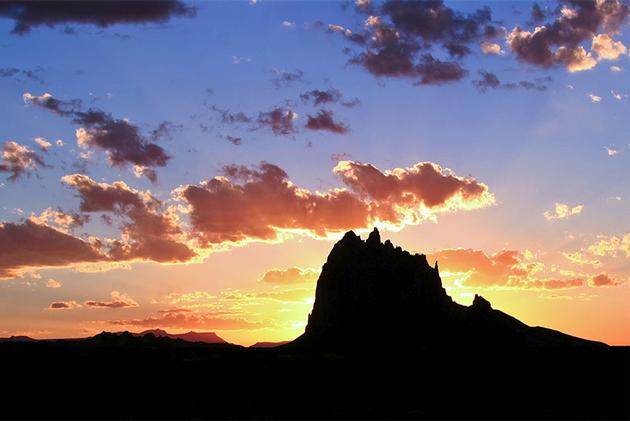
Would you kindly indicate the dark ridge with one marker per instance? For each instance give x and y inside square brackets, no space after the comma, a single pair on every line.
[367,287]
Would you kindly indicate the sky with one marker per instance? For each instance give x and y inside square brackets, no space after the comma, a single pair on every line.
[189,165]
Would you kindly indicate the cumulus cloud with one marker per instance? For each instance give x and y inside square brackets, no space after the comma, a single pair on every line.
[505,269]
[559,42]
[604,280]
[293,275]
[64,305]
[27,15]
[261,203]
[19,160]
[149,232]
[29,245]
[563,211]
[119,300]
[52,104]
[324,120]
[58,218]
[595,98]
[319,97]
[607,48]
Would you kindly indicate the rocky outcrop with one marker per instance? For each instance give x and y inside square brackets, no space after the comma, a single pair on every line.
[369,290]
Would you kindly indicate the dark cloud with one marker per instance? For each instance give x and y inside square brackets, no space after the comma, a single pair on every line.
[30,245]
[19,160]
[234,140]
[63,305]
[491,81]
[123,141]
[319,97]
[149,232]
[285,78]
[280,120]
[324,121]
[559,42]
[604,280]
[538,14]
[56,106]
[398,38]
[228,117]
[30,14]
[20,73]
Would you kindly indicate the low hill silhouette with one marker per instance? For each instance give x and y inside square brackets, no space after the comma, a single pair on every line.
[370,286]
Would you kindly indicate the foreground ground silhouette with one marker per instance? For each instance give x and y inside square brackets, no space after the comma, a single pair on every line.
[383,341]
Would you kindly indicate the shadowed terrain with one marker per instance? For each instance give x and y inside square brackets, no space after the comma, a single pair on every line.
[384,340]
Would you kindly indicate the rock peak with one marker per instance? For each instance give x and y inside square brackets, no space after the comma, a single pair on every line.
[374,238]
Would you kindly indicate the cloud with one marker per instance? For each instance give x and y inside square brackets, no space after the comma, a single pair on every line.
[192,320]
[491,48]
[119,300]
[149,232]
[280,121]
[398,37]
[60,219]
[13,71]
[319,97]
[612,246]
[505,269]
[286,78]
[558,42]
[611,151]
[121,140]
[604,280]
[580,259]
[563,211]
[594,98]
[537,13]
[228,117]
[607,48]
[489,80]
[29,245]
[64,305]
[616,69]
[52,104]
[19,160]
[324,120]
[261,203]
[43,144]
[288,24]
[293,275]
[52,283]
[30,14]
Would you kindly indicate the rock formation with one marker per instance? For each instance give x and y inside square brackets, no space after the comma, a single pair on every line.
[369,290]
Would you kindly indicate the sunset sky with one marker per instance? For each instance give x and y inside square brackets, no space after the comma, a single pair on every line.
[188,166]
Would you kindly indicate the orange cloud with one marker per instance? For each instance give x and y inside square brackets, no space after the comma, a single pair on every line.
[119,300]
[192,320]
[51,283]
[603,280]
[292,275]
[260,203]
[504,269]
[29,245]
[148,231]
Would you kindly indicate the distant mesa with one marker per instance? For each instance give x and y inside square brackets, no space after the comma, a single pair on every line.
[369,286]
[205,337]
[269,344]
[18,339]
